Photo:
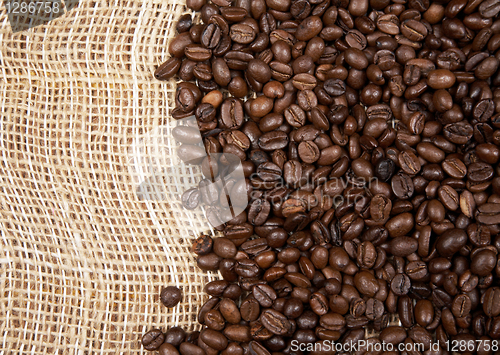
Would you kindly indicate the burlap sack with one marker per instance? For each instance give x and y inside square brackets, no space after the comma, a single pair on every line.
[82,256]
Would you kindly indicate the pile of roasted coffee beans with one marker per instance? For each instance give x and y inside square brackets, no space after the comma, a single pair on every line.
[369,133]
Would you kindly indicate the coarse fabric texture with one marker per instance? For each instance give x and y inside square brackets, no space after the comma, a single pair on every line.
[83,255]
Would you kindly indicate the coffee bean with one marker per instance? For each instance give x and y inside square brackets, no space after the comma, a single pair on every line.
[191,198]
[400,284]
[213,319]
[214,339]
[153,339]
[259,70]
[366,283]
[275,322]
[402,186]
[489,213]
[295,116]
[416,270]
[242,33]
[238,60]
[385,169]
[280,71]
[269,171]
[167,349]
[264,294]
[388,24]
[318,303]
[356,58]
[168,69]
[374,309]
[380,208]
[409,162]
[273,140]
[491,306]
[454,167]
[197,53]
[489,8]
[293,308]
[258,212]
[335,87]
[308,152]
[229,310]
[232,113]
[356,39]
[170,296]
[190,349]
[461,306]
[413,30]
[309,28]
[402,245]
[216,288]
[405,311]
[451,241]
[209,261]
[458,133]
[304,81]
[202,245]
[257,348]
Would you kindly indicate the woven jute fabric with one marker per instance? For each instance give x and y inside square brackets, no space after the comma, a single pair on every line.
[83,256]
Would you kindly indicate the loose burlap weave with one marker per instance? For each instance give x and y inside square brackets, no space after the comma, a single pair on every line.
[82,256]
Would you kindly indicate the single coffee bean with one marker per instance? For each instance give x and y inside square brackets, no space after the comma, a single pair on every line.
[214,339]
[259,211]
[232,113]
[458,133]
[273,140]
[416,270]
[489,8]
[388,24]
[153,339]
[414,30]
[491,306]
[405,311]
[295,116]
[168,69]
[275,322]
[197,53]
[440,79]
[374,309]
[242,33]
[461,306]
[409,162]
[366,283]
[308,152]
[170,296]
[202,245]
[264,294]
[191,198]
[400,284]
[167,349]
[451,241]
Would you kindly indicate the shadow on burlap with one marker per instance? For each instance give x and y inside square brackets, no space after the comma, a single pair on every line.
[82,257]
